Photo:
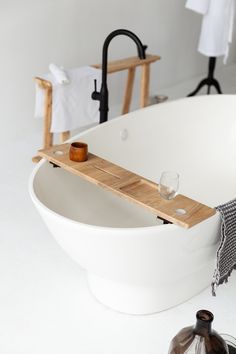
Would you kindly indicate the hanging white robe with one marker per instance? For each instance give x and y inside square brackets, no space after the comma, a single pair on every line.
[217,25]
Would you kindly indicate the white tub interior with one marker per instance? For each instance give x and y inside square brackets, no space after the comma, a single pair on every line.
[78,200]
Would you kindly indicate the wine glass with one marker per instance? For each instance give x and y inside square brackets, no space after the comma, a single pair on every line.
[169,184]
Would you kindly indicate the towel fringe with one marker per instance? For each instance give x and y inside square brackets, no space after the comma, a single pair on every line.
[217,280]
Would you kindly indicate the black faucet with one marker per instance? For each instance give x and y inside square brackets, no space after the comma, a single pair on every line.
[102,96]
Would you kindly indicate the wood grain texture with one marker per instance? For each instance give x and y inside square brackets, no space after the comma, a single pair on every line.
[65,136]
[128,90]
[47,117]
[145,78]
[36,159]
[48,136]
[130,186]
[127,63]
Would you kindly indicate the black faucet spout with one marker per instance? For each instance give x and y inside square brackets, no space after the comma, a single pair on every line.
[102,96]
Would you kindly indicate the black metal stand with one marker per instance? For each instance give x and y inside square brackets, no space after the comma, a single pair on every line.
[209,80]
[164,220]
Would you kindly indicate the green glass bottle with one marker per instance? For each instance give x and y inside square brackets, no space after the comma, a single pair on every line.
[199,339]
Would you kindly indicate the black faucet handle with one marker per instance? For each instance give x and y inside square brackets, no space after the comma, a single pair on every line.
[95,85]
[95,94]
[144,49]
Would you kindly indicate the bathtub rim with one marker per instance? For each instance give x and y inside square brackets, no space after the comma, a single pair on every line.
[36,200]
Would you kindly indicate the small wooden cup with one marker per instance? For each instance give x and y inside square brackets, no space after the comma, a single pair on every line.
[78,152]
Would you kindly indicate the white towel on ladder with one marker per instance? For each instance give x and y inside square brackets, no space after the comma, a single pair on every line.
[217,25]
[72,105]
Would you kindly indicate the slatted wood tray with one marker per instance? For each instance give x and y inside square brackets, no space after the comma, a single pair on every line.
[130,186]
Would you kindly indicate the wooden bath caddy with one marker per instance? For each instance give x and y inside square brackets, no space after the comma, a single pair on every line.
[130,186]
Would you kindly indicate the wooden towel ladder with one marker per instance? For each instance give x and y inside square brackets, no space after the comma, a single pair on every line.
[129,64]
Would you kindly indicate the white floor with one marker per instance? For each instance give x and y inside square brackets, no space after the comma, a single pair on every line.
[45,304]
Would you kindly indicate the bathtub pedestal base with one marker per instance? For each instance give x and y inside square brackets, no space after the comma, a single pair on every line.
[139,300]
[122,297]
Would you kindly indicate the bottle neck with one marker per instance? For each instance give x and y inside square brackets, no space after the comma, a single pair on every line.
[204,322]
[202,328]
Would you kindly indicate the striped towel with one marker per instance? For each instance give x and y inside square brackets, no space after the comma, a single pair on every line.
[226,253]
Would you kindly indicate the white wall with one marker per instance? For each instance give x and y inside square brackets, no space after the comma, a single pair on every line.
[71,33]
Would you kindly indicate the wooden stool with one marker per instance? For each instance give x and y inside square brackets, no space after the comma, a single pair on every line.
[129,64]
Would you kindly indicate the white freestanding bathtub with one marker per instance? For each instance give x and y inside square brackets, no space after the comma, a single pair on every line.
[134,263]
